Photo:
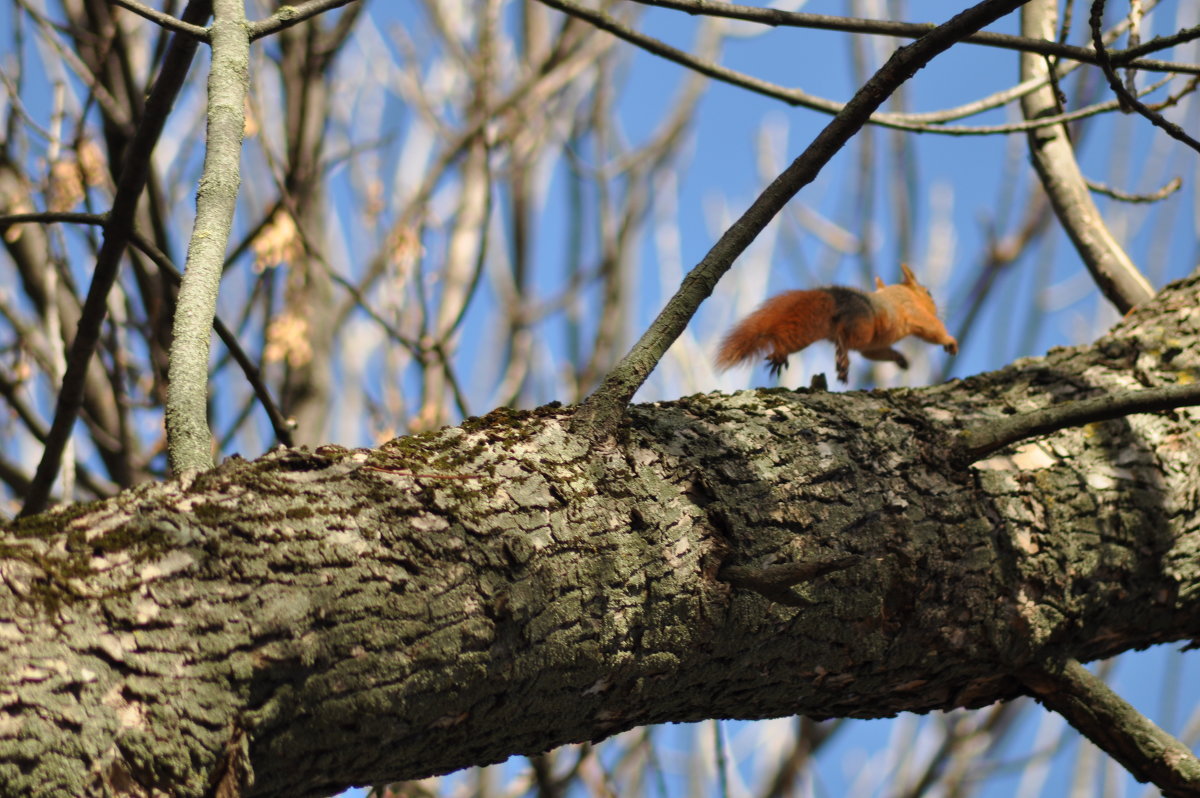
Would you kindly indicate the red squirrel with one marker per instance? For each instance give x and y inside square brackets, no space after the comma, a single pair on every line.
[852,319]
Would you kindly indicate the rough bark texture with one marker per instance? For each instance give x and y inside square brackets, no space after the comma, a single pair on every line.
[308,621]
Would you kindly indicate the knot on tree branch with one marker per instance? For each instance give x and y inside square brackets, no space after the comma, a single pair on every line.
[776,581]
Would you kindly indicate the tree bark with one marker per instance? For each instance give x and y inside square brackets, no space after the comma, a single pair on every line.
[312,620]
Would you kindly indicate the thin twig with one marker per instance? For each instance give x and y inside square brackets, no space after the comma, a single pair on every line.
[289,15]
[995,434]
[1124,57]
[117,114]
[164,20]
[550,75]
[721,757]
[775,581]
[14,100]
[1122,196]
[924,122]
[912,30]
[39,217]
[281,426]
[1106,64]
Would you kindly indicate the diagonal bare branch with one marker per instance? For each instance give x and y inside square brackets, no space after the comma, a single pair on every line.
[165,20]
[1054,161]
[1091,706]
[289,15]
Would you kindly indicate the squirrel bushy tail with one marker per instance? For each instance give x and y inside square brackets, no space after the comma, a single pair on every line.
[784,324]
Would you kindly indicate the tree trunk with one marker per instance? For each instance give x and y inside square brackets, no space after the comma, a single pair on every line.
[307,621]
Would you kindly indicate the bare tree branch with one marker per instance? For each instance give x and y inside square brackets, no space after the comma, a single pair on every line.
[919,122]
[280,425]
[116,236]
[189,440]
[1054,160]
[165,20]
[1106,64]
[289,15]
[1173,185]
[1091,706]
[913,30]
[117,113]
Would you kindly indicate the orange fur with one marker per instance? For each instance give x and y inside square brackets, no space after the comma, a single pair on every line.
[852,319]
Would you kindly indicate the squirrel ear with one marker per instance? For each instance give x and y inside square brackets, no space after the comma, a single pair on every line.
[909,277]
[879,285]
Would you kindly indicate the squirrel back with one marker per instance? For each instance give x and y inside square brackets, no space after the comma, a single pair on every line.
[852,319]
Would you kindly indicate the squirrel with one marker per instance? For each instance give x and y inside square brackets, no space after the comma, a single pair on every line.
[852,319]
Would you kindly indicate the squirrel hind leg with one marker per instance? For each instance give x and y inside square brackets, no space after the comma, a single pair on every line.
[776,364]
[886,354]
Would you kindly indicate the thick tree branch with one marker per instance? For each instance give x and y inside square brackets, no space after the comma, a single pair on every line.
[277,619]
[601,412]
[134,173]
[1088,704]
